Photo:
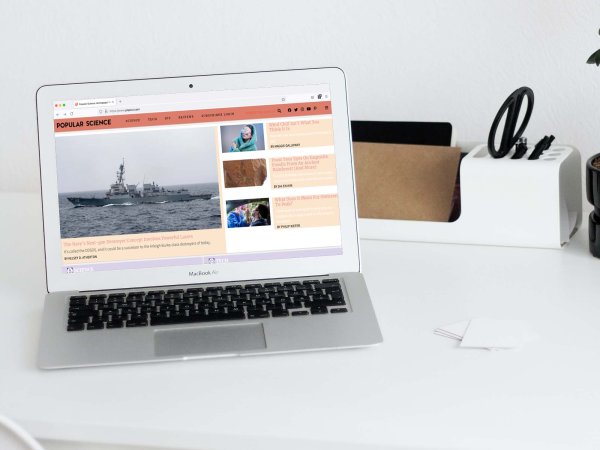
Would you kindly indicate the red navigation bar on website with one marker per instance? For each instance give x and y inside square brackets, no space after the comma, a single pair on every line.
[192,116]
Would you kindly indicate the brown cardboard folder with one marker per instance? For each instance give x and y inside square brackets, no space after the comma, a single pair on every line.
[405,182]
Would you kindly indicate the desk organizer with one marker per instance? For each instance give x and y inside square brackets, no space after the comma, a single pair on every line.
[510,202]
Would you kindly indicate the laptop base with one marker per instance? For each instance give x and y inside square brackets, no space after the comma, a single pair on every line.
[60,348]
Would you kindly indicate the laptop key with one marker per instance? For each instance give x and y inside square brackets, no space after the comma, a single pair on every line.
[96,301]
[77,308]
[176,319]
[293,305]
[214,289]
[318,287]
[77,300]
[222,304]
[316,304]
[95,325]
[181,301]
[338,310]
[257,314]
[75,327]
[318,310]
[337,299]
[137,323]
[175,291]
[195,290]
[280,313]
[299,313]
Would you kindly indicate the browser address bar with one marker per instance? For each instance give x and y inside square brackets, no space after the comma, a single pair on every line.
[205,104]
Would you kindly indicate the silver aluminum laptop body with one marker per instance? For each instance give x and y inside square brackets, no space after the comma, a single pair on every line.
[312,252]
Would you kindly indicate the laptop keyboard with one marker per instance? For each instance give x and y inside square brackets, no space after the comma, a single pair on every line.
[205,304]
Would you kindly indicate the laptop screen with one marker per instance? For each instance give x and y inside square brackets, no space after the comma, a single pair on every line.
[196,179]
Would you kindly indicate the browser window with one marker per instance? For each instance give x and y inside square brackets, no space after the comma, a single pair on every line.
[199,178]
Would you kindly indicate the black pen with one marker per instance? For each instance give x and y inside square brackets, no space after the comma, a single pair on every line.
[541,146]
[520,149]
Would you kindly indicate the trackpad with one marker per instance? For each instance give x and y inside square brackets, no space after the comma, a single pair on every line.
[216,339]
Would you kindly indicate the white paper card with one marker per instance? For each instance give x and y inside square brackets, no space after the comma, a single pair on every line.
[493,333]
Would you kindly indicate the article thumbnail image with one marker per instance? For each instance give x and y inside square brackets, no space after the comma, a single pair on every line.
[248,213]
[244,172]
[137,182]
[248,137]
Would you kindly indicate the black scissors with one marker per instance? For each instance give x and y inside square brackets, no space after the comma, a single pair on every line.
[512,108]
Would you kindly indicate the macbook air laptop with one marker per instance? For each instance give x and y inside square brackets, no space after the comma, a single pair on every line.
[199,216]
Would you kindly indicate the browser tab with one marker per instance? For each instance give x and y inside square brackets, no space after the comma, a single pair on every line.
[94,102]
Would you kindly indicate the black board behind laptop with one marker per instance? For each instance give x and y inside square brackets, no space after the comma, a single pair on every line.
[414,133]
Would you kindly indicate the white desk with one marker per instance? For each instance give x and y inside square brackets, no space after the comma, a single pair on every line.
[416,390]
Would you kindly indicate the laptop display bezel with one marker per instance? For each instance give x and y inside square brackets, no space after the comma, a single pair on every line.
[348,261]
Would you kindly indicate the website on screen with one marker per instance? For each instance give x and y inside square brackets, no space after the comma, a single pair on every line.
[199,178]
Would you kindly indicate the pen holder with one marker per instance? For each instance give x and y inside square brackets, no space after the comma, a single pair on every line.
[509,202]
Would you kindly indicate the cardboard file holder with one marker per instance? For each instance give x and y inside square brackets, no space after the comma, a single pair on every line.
[521,202]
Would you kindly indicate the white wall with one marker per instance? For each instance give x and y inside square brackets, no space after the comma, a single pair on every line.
[405,60]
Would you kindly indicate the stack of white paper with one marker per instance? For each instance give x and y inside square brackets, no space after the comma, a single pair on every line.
[491,334]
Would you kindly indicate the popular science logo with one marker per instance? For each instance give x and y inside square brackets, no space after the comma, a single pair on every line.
[82,123]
